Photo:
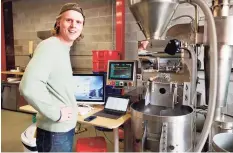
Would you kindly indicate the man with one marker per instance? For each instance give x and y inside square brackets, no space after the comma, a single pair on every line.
[48,86]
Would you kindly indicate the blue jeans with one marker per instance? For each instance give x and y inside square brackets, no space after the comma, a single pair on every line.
[47,141]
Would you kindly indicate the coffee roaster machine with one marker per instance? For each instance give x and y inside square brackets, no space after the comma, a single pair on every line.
[165,120]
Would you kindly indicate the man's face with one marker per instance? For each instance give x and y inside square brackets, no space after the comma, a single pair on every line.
[71,26]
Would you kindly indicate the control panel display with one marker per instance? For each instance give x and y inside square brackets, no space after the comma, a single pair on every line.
[121,71]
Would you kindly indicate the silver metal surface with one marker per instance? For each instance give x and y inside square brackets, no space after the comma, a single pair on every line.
[224,30]
[153,16]
[174,88]
[163,138]
[128,140]
[157,46]
[224,71]
[163,64]
[161,94]
[186,93]
[223,125]
[172,65]
[223,142]
[144,136]
[179,130]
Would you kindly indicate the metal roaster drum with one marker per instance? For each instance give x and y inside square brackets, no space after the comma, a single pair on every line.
[160,128]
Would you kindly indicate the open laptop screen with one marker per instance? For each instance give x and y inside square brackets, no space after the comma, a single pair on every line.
[118,104]
[89,88]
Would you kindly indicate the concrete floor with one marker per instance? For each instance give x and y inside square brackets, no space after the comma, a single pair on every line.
[14,123]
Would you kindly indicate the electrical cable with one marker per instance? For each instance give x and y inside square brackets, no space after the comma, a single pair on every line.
[107,138]
[95,132]
[186,49]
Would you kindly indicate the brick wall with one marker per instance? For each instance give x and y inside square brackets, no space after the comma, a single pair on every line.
[30,16]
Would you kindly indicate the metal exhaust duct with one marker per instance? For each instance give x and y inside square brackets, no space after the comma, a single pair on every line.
[224,23]
[153,16]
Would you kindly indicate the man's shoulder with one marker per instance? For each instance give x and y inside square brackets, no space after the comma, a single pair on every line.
[49,41]
[47,46]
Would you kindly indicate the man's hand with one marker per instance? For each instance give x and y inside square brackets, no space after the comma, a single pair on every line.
[66,114]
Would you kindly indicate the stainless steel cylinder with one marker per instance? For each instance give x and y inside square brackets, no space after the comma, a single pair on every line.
[224,71]
[224,30]
[223,142]
[225,48]
[162,129]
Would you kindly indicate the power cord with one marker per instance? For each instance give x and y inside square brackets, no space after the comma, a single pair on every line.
[107,138]
[95,132]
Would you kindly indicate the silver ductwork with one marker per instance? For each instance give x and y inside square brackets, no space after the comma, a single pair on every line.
[224,31]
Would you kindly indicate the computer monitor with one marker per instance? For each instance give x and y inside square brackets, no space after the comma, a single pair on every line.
[122,73]
[90,88]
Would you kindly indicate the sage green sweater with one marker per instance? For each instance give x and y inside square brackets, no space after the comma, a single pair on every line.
[47,85]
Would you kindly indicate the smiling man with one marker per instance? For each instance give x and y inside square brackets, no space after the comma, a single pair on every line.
[47,83]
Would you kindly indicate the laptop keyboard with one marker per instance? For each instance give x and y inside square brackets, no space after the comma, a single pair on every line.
[107,114]
[112,113]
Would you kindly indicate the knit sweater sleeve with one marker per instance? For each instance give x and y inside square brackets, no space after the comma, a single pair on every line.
[33,85]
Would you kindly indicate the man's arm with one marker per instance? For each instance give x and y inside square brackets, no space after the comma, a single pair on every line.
[34,82]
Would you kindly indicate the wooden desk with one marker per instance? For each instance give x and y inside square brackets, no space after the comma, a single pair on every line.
[28,109]
[9,72]
[102,122]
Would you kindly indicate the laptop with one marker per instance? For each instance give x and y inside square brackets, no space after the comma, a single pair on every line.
[114,108]
[90,89]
